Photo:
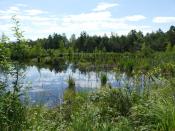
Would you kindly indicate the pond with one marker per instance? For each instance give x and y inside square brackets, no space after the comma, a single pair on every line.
[46,87]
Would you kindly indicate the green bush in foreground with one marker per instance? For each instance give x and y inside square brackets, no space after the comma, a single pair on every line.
[12,112]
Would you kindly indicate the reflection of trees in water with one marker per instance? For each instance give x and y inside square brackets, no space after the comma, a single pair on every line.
[93,68]
[62,64]
[86,78]
[57,66]
[17,73]
[60,67]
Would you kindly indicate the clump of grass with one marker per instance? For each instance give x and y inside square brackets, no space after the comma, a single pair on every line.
[103,79]
[71,83]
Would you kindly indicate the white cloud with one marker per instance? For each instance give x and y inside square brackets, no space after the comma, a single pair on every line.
[104,6]
[93,23]
[5,17]
[164,20]
[10,11]
[90,17]
[14,8]
[4,27]
[33,12]
[134,18]
[39,23]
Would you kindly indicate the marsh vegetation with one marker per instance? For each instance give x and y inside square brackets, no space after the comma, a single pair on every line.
[96,82]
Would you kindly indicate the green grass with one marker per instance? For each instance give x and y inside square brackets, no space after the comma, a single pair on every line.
[104,110]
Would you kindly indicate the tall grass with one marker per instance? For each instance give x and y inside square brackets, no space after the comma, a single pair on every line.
[103,110]
[103,79]
[71,83]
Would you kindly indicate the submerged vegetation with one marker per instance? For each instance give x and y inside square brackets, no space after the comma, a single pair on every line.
[115,109]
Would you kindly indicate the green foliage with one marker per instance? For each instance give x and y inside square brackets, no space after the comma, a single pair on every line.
[113,102]
[169,47]
[19,50]
[173,48]
[62,46]
[71,83]
[4,56]
[146,50]
[168,70]
[156,112]
[4,39]
[103,79]
[133,42]
[18,34]
[12,112]
[105,109]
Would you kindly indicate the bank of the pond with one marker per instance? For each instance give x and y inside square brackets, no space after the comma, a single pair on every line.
[105,109]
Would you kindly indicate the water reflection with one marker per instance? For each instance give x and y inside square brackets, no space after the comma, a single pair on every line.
[47,86]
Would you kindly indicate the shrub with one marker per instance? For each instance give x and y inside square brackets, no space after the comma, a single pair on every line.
[12,112]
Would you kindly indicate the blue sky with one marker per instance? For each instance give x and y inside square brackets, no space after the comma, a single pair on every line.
[39,18]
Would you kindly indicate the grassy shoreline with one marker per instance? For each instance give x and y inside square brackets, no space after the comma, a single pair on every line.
[105,109]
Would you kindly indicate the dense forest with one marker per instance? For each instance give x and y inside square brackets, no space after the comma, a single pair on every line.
[56,43]
[132,42]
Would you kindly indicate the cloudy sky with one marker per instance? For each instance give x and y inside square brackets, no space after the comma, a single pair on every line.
[39,18]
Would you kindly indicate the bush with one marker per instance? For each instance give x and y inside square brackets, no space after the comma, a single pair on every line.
[12,112]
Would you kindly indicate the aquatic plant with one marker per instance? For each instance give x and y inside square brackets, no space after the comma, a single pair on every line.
[103,79]
[71,83]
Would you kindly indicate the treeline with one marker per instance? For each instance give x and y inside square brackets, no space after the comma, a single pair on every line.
[157,41]
[58,44]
